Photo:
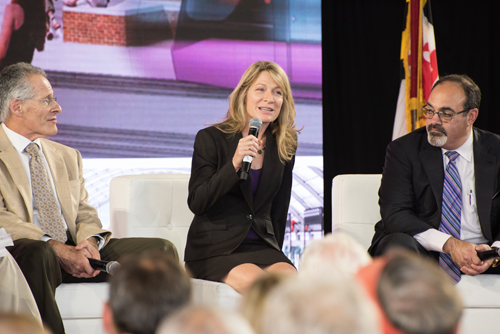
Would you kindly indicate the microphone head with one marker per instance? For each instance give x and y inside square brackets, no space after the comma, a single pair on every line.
[255,123]
[112,267]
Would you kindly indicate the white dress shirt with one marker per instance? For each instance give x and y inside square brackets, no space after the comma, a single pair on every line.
[470,229]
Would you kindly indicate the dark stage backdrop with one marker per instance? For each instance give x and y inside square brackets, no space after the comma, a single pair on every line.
[361,48]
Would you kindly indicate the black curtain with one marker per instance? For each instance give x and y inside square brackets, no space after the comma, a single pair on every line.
[361,48]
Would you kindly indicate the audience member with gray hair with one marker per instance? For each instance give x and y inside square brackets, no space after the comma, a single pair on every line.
[413,293]
[335,254]
[205,320]
[143,291]
[319,306]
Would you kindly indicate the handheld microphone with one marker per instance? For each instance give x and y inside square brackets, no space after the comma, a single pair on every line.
[489,254]
[255,124]
[109,267]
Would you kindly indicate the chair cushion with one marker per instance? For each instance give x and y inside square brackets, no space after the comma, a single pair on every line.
[83,326]
[152,205]
[215,293]
[81,300]
[355,208]
[480,291]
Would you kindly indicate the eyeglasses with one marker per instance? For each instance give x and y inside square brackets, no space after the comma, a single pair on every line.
[47,102]
[445,117]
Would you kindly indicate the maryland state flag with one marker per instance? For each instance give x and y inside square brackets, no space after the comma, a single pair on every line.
[419,69]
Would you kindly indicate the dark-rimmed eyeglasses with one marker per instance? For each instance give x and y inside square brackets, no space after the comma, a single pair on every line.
[445,117]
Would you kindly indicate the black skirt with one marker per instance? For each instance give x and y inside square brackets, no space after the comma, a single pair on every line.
[255,251]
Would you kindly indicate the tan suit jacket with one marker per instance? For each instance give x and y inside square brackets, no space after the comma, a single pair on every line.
[16,207]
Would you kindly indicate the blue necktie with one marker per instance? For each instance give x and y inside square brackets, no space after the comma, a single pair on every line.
[451,212]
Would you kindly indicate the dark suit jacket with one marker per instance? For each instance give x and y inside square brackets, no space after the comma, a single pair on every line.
[412,185]
[223,205]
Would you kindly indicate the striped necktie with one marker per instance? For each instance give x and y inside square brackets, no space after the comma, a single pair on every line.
[451,212]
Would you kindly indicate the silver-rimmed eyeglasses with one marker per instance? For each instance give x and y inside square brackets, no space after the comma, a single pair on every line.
[47,102]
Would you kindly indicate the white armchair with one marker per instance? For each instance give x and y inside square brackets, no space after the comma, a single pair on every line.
[355,210]
[155,205]
[148,205]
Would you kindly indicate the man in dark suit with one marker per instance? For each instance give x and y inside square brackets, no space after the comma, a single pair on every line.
[415,193]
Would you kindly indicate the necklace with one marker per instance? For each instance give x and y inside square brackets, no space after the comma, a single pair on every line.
[260,151]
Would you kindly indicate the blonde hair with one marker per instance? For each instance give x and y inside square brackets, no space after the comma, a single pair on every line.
[283,128]
[254,299]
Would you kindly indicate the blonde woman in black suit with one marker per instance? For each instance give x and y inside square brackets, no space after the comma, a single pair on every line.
[238,229]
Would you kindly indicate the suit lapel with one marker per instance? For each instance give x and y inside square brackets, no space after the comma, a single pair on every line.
[484,173]
[10,158]
[432,161]
[60,177]
[245,186]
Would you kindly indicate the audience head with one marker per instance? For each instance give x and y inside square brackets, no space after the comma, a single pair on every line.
[414,294]
[13,323]
[335,254]
[319,306]
[205,320]
[417,296]
[143,291]
[15,83]
[255,297]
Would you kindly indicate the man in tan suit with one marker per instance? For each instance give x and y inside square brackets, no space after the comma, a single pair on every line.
[49,248]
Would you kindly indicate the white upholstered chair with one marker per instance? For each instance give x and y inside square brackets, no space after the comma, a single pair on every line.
[355,210]
[155,205]
[81,306]
[147,205]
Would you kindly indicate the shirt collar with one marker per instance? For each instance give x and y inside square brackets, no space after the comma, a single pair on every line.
[18,141]
[465,150]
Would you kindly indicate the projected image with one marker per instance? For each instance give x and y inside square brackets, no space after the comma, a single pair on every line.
[137,79]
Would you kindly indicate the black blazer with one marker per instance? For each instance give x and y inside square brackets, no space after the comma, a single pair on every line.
[412,185]
[223,205]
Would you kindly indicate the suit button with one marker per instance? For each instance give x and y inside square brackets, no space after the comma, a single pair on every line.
[249,217]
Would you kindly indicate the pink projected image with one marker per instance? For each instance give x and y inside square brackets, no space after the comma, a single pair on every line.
[137,79]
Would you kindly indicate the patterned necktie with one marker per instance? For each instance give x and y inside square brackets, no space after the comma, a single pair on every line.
[48,212]
[451,212]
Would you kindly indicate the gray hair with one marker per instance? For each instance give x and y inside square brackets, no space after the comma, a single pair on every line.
[15,83]
[336,254]
[417,296]
[146,288]
[205,320]
[325,305]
